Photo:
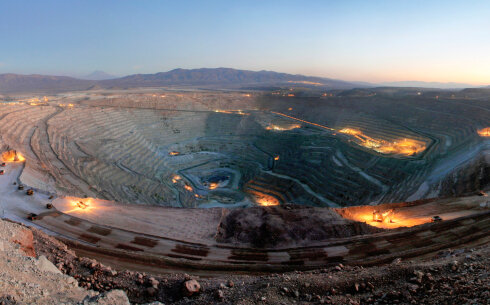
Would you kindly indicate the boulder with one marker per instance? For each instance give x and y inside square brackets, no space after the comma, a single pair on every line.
[191,287]
[113,297]
[46,266]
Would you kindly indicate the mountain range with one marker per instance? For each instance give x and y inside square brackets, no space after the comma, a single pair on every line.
[210,78]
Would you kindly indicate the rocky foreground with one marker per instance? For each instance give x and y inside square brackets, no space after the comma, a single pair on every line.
[38,269]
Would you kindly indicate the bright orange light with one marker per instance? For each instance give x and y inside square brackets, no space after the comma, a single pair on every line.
[485,132]
[174,153]
[213,185]
[389,219]
[386,216]
[12,156]
[305,82]
[350,131]
[276,158]
[232,112]
[81,205]
[407,147]
[267,201]
[283,128]
[176,178]
[188,188]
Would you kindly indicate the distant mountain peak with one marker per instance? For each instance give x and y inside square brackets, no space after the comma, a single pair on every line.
[99,75]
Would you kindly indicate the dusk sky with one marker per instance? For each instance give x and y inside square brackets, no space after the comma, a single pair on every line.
[446,41]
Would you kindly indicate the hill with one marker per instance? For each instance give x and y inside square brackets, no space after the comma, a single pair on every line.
[224,78]
[15,83]
[219,78]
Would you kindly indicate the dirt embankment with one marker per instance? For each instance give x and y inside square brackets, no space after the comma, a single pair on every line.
[294,225]
[458,276]
[28,277]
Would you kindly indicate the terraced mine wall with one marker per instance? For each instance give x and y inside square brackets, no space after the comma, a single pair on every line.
[208,149]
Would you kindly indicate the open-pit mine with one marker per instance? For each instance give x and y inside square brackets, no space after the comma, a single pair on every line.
[251,181]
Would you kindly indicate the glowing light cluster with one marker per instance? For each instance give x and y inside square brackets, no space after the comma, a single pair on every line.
[240,112]
[282,128]
[176,178]
[84,205]
[305,82]
[485,132]
[389,219]
[12,156]
[11,103]
[408,147]
[266,201]
[213,185]
[403,147]
[174,153]
[37,102]
[386,216]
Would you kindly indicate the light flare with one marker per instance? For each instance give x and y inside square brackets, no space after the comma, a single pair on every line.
[388,219]
[85,205]
[240,112]
[283,128]
[407,147]
[266,201]
[484,132]
[12,156]
[176,178]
